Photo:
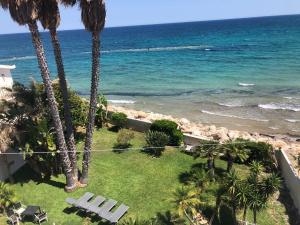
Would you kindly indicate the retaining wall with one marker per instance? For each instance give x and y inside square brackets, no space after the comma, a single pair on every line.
[291,179]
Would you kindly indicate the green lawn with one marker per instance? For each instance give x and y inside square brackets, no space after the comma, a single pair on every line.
[144,183]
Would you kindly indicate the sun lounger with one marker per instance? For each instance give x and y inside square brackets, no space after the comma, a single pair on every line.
[94,205]
[78,202]
[106,207]
[117,214]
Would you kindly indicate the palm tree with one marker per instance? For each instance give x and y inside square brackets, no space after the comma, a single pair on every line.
[186,199]
[231,185]
[49,17]
[234,151]
[168,218]
[243,196]
[270,185]
[209,150]
[25,12]
[93,15]
[256,203]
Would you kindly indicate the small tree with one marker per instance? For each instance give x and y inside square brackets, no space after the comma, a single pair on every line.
[186,200]
[119,120]
[156,142]
[101,112]
[170,128]
[209,150]
[124,138]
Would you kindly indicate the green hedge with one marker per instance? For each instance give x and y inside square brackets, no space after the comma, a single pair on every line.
[170,128]
[119,119]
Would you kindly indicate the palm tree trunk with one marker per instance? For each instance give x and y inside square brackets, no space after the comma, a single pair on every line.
[245,213]
[92,108]
[254,216]
[229,163]
[70,183]
[67,112]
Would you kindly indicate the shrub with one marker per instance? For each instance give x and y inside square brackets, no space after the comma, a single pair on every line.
[7,196]
[119,119]
[101,111]
[260,152]
[124,138]
[169,128]
[158,140]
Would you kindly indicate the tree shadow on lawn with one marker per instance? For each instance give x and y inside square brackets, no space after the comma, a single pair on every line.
[291,210]
[185,177]
[91,217]
[26,174]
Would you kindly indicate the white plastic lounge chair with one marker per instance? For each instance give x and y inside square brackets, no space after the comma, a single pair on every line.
[94,205]
[106,207]
[40,217]
[117,214]
[83,199]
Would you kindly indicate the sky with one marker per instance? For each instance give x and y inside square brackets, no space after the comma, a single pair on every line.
[140,12]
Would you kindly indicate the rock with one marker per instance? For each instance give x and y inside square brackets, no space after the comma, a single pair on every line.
[141,115]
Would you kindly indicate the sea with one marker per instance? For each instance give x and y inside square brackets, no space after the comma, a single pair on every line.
[242,74]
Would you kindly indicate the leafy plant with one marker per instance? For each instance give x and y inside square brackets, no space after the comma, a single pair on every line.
[119,119]
[7,196]
[101,112]
[156,142]
[124,138]
[170,128]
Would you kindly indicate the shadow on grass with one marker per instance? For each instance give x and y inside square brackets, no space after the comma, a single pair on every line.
[291,210]
[91,217]
[26,174]
[114,129]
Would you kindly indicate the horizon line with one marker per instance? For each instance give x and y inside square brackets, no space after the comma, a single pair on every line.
[165,23]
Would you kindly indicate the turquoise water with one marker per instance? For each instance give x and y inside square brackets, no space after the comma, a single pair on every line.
[242,74]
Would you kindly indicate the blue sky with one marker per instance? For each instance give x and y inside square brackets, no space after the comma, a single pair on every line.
[137,12]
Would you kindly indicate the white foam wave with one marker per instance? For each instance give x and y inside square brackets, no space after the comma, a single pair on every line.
[175,48]
[232,116]
[246,84]
[274,128]
[230,105]
[292,121]
[18,58]
[121,101]
[273,106]
[291,98]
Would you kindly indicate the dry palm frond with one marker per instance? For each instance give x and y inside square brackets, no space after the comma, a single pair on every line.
[93,14]
[23,11]
[49,14]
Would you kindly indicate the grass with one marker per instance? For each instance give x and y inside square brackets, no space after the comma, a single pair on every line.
[144,183]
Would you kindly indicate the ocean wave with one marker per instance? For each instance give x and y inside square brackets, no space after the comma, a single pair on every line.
[17,58]
[158,49]
[292,121]
[121,101]
[274,128]
[274,106]
[291,98]
[232,116]
[231,105]
[246,85]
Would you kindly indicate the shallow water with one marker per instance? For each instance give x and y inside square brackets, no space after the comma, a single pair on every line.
[242,74]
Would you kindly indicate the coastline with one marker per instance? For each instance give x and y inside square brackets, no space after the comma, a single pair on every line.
[287,143]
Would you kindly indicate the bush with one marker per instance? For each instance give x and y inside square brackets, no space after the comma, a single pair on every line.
[124,138]
[158,140]
[169,128]
[119,119]
[260,152]
[101,111]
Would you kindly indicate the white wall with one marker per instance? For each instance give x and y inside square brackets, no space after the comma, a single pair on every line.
[291,179]
[14,162]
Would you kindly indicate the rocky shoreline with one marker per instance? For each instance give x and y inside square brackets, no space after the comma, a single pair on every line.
[289,144]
